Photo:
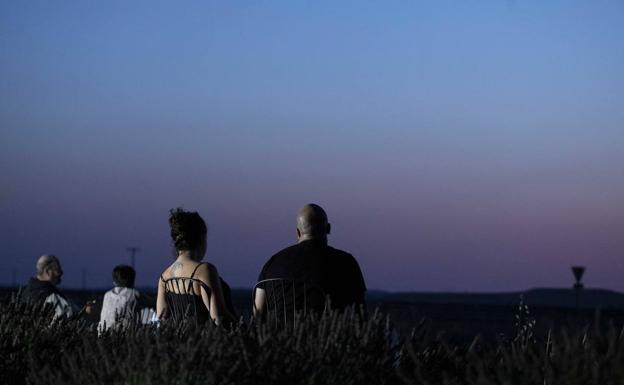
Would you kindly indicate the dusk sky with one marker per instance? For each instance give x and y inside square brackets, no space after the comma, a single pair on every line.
[456,145]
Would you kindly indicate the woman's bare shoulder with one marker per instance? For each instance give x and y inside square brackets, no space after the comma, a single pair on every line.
[207,268]
[207,272]
[166,273]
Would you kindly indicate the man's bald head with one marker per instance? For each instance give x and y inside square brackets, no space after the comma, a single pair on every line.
[312,223]
[49,269]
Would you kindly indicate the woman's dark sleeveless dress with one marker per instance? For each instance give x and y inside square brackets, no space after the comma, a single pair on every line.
[185,302]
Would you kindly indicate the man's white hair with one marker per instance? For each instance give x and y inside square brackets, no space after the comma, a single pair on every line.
[44,262]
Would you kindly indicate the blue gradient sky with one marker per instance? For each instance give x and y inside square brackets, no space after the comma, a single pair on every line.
[473,146]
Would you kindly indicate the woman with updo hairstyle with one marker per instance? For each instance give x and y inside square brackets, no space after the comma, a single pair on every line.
[190,288]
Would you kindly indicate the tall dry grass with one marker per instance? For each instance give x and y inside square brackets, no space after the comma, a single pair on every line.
[335,348]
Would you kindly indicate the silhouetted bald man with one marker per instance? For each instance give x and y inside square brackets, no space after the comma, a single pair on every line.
[312,260]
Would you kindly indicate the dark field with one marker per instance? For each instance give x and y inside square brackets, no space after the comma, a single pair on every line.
[404,342]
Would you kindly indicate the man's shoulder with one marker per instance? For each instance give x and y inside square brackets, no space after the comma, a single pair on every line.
[307,250]
[346,267]
[300,249]
[279,259]
[284,254]
[286,251]
[37,290]
[341,255]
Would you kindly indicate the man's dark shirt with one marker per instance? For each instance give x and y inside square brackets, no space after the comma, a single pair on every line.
[313,261]
[37,291]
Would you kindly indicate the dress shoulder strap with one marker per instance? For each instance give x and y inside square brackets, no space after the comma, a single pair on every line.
[196,267]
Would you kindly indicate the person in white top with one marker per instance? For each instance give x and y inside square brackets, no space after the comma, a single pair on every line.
[120,304]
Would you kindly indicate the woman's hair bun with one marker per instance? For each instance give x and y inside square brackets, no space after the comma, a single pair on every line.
[187,228]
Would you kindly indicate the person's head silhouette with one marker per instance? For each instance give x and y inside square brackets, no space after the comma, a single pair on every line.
[49,269]
[312,223]
[188,233]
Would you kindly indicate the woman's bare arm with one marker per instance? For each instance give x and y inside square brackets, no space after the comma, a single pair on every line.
[215,301]
[161,302]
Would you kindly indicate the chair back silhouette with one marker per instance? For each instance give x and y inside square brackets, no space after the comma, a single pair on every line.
[287,297]
[184,299]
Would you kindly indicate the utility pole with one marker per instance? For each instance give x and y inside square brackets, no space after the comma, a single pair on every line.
[133,250]
[578,286]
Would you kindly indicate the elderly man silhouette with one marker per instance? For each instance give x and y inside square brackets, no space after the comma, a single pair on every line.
[312,260]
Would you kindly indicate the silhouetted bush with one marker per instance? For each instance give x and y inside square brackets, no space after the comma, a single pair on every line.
[331,349]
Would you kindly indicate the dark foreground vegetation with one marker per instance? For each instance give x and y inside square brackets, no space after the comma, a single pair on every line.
[330,349]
